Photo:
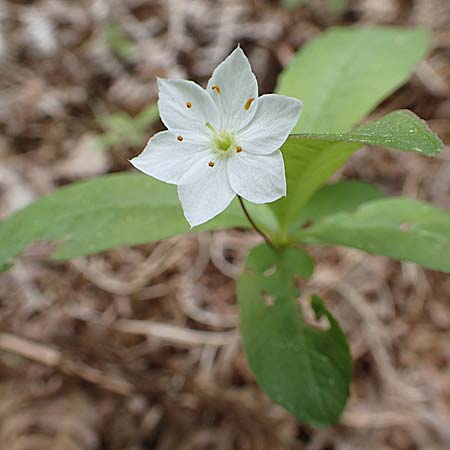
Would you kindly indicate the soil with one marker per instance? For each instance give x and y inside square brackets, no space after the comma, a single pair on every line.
[138,348]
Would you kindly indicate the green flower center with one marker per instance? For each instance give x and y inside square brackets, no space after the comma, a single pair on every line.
[222,141]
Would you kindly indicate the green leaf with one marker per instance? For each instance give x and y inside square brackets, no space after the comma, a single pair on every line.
[310,159]
[337,6]
[305,368]
[117,41]
[343,196]
[124,129]
[292,4]
[308,164]
[148,115]
[5,267]
[400,130]
[110,211]
[345,72]
[397,227]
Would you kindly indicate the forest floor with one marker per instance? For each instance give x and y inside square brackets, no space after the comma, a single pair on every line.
[138,348]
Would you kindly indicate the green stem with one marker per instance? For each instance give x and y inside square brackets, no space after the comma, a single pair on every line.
[256,228]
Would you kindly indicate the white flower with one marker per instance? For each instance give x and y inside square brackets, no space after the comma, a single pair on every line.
[221,141]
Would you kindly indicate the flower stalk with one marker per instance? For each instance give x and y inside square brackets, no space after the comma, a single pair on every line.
[255,227]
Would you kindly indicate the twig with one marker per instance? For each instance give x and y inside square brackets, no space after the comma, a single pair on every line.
[54,358]
[173,333]
[30,350]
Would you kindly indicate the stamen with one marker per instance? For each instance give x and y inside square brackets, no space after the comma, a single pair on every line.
[211,164]
[238,149]
[189,105]
[216,88]
[180,138]
[249,102]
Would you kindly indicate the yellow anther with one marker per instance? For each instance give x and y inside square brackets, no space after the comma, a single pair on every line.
[180,138]
[211,164]
[216,88]
[249,102]
[188,104]
[238,149]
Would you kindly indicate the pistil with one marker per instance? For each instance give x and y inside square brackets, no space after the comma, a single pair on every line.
[223,140]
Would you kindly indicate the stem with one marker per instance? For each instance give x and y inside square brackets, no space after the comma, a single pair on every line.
[256,228]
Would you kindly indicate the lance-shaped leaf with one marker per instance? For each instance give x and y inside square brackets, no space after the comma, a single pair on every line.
[110,211]
[345,72]
[312,158]
[305,368]
[400,130]
[340,77]
[397,227]
[343,196]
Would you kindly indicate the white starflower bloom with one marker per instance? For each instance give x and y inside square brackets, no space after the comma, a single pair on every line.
[220,142]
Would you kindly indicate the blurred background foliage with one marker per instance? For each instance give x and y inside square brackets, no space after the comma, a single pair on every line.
[138,348]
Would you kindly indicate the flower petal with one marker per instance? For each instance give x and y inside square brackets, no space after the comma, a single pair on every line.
[168,159]
[275,117]
[257,178]
[234,89]
[208,196]
[185,106]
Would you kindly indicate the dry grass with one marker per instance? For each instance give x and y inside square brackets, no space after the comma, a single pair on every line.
[138,348]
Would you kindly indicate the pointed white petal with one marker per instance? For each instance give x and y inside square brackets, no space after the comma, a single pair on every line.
[236,85]
[208,196]
[257,178]
[185,106]
[168,159]
[275,117]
